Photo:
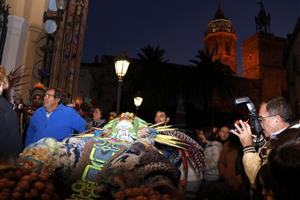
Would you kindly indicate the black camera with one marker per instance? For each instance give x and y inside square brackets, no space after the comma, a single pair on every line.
[254,121]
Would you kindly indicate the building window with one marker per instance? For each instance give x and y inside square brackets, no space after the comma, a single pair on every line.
[250,57]
[227,48]
[216,48]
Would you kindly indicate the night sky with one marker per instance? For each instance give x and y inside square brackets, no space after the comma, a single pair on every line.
[177,26]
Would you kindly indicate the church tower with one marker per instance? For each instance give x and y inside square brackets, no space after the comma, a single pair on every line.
[263,57]
[221,38]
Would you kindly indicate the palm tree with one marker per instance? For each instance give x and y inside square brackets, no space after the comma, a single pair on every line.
[151,59]
[211,77]
[149,80]
[152,55]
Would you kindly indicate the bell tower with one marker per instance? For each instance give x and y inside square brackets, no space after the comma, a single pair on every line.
[263,57]
[220,37]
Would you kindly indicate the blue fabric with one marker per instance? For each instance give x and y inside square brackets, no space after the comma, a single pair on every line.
[61,124]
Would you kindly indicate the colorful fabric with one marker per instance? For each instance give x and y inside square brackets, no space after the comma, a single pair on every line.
[125,143]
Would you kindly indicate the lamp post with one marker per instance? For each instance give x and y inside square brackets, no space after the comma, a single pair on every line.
[64,22]
[137,102]
[52,19]
[121,67]
[54,15]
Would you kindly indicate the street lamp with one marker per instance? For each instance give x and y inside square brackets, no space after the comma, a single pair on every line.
[137,102]
[54,14]
[121,67]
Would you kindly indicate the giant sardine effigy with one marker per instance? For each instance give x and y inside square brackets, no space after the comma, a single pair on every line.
[106,163]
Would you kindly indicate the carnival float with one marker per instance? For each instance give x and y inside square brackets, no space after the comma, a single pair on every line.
[126,159]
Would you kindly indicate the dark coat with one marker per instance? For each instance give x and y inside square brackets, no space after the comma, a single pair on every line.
[10,138]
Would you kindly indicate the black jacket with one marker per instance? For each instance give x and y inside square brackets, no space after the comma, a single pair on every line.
[10,138]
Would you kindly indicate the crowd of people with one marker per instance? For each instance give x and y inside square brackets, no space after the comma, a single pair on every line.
[224,176]
[235,166]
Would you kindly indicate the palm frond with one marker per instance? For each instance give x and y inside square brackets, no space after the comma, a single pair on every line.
[16,77]
[152,55]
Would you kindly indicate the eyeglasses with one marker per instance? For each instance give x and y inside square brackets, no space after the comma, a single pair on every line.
[261,118]
[48,95]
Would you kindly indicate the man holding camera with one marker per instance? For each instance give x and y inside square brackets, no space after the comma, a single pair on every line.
[275,116]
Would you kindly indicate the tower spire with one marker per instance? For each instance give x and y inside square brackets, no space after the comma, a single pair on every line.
[219,4]
[262,20]
[219,13]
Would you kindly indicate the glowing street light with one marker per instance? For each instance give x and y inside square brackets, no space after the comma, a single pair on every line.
[137,102]
[121,67]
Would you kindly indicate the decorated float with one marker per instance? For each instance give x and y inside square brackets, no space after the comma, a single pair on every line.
[127,159]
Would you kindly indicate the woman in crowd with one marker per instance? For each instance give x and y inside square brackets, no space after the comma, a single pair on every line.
[231,168]
[212,153]
[97,120]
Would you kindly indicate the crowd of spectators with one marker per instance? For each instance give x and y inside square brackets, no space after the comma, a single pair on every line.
[236,167]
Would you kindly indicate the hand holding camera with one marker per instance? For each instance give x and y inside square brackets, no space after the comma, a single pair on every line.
[243,131]
[253,122]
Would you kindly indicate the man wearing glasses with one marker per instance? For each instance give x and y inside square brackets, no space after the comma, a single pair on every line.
[275,116]
[53,119]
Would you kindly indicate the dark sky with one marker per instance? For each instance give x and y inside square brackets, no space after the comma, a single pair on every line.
[177,26]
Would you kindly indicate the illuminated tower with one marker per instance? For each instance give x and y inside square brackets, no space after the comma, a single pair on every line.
[263,57]
[221,38]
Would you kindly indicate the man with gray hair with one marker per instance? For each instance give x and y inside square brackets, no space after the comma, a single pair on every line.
[275,116]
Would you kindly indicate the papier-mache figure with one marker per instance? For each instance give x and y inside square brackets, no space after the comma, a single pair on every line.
[126,153]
